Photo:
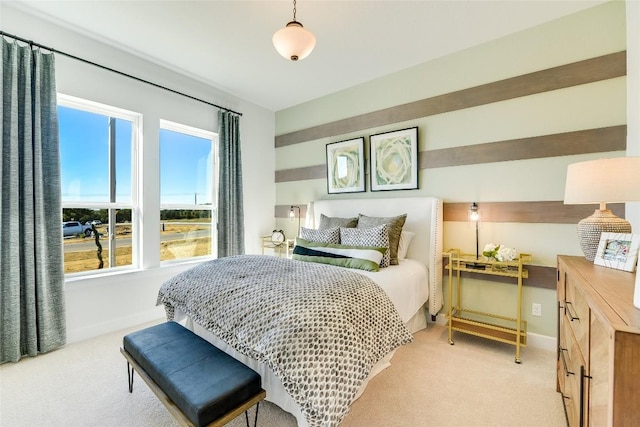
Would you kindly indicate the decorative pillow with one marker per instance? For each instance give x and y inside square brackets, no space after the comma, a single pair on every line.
[360,257]
[328,235]
[376,237]
[331,222]
[395,228]
[405,241]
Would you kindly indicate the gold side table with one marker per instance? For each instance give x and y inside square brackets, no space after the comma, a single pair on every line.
[285,248]
[487,325]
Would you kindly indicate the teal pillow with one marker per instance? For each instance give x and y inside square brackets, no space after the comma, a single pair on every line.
[361,257]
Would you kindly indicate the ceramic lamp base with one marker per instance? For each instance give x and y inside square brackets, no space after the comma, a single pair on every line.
[590,228]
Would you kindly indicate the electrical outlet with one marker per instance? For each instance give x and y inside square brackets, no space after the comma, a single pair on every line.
[536,309]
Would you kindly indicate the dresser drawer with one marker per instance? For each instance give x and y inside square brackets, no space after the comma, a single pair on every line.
[599,370]
[561,287]
[576,315]
[596,311]
[570,368]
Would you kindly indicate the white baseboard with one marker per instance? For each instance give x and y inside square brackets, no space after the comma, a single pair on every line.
[80,334]
[543,342]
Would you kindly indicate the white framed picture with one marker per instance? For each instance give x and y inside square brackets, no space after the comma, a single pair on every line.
[618,250]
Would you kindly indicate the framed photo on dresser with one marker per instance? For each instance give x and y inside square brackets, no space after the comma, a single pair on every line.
[618,250]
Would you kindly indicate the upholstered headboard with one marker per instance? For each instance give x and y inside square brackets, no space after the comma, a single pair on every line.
[424,217]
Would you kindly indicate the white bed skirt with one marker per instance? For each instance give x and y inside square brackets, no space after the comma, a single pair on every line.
[276,393]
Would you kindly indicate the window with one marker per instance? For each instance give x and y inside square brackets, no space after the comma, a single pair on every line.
[98,157]
[188,191]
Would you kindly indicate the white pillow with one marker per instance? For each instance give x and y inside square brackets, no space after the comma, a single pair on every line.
[405,241]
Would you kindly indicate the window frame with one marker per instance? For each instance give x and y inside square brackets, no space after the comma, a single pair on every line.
[133,204]
[213,208]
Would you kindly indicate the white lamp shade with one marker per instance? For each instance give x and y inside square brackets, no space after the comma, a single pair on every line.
[294,42]
[600,182]
[603,181]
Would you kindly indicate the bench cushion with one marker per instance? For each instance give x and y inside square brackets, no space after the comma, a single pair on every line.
[203,381]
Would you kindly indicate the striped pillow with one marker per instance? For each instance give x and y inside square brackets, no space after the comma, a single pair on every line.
[360,257]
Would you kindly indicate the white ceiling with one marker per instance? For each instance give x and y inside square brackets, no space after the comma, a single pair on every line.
[228,43]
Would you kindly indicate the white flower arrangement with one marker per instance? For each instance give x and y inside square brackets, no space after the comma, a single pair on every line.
[499,252]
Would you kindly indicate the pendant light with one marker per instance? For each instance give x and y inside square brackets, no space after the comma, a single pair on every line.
[294,42]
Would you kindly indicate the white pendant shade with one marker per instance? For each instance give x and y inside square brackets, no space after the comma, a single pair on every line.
[294,42]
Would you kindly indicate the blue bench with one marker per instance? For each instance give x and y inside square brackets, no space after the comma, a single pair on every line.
[198,383]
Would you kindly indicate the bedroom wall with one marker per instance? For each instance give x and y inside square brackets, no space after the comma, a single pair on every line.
[633,97]
[102,304]
[508,153]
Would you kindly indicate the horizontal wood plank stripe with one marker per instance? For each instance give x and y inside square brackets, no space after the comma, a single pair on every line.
[542,277]
[539,276]
[587,71]
[598,140]
[551,212]
[283,211]
[301,174]
[545,212]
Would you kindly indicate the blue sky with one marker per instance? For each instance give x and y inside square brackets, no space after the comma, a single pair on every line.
[186,168]
[84,150]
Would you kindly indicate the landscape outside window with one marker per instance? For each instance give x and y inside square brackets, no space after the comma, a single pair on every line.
[188,191]
[98,147]
[97,150]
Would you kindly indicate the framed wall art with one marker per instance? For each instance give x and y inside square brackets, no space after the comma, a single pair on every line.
[618,250]
[345,166]
[394,160]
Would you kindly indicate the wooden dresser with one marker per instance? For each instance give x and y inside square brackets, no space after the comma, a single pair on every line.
[598,344]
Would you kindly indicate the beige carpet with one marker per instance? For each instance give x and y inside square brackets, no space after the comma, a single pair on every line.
[430,383]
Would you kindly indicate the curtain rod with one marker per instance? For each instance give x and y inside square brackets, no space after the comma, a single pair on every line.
[86,61]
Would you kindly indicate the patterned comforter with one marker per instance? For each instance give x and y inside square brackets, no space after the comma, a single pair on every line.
[319,328]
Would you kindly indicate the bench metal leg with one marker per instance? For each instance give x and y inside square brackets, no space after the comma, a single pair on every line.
[130,372]
[255,421]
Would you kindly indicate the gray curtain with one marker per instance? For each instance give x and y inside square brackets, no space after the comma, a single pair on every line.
[230,210]
[31,264]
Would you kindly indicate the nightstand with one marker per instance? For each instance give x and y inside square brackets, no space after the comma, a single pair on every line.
[487,325]
[285,248]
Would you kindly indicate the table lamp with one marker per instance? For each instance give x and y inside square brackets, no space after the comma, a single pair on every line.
[600,182]
[474,216]
[293,215]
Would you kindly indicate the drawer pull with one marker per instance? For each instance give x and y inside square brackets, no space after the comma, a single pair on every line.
[567,372]
[568,311]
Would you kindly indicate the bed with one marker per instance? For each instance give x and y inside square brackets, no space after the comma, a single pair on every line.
[411,291]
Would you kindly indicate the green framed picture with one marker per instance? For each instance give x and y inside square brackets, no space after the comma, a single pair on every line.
[394,160]
[345,166]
